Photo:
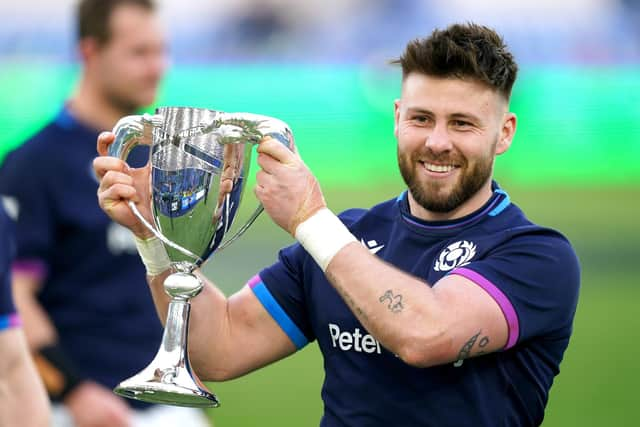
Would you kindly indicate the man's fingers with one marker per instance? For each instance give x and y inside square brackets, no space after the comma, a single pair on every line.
[277,150]
[267,163]
[113,177]
[264,179]
[116,186]
[102,165]
[294,148]
[104,140]
[116,193]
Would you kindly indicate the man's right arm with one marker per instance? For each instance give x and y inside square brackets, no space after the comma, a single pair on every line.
[228,337]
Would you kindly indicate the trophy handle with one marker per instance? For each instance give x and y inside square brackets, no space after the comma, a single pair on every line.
[278,130]
[131,131]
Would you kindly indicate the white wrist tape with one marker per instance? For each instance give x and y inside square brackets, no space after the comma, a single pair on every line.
[323,235]
[153,254]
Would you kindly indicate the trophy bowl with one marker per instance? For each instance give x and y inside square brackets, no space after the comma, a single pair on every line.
[199,164]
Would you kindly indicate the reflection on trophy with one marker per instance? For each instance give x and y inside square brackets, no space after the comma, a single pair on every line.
[199,163]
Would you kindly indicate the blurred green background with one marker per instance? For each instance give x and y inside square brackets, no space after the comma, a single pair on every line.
[573,166]
[577,125]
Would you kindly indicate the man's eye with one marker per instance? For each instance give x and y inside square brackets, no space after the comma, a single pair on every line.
[461,123]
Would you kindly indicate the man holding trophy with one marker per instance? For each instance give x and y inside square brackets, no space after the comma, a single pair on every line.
[461,318]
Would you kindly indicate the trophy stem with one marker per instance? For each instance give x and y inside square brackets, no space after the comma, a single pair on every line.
[174,338]
[169,379]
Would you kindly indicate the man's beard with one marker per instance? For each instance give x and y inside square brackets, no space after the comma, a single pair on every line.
[470,181]
[125,104]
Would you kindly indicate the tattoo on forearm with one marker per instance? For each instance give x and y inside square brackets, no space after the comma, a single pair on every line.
[357,310]
[465,351]
[395,301]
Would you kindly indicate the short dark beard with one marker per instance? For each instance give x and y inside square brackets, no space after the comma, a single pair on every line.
[126,106]
[470,182]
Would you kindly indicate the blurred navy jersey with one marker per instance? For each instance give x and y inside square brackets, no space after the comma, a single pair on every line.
[530,271]
[94,287]
[8,316]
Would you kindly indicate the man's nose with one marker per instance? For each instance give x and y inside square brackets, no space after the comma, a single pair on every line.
[438,139]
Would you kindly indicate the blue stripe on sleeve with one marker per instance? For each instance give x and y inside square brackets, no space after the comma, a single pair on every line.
[279,315]
[8,321]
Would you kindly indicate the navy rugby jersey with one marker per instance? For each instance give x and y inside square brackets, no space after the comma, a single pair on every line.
[94,287]
[8,316]
[530,271]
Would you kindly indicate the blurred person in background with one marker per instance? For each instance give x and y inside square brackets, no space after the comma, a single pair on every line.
[23,397]
[445,306]
[77,277]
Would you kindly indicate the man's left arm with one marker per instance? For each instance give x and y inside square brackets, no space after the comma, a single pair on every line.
[425,326]
[453,320]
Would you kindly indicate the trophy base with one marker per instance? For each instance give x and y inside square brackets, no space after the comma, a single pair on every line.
[168,379]
[168,394]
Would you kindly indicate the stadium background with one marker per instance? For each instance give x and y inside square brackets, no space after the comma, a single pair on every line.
[322,67]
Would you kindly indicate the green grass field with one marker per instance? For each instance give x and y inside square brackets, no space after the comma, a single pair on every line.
[598,381]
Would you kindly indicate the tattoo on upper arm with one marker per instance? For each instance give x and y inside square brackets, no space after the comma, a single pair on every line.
[465,351]
[482,344]
[395,301]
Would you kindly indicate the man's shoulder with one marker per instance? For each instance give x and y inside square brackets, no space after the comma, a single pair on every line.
[380,212]
[38,144]
[32,159]
[55,144]
[517,224]
[517,234]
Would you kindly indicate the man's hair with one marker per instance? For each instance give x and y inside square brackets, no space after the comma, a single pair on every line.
[94,16]
[464,51]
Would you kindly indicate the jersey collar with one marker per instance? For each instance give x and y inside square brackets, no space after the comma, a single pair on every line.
[498,202]
[66,120]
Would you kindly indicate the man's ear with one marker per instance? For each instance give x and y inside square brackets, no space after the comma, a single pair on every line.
[506,134]
[87,49]
[396,116]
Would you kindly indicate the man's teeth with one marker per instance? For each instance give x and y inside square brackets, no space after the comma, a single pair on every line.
[438,168]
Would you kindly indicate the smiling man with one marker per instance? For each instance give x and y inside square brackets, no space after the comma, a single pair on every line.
[444,306]
[449,132]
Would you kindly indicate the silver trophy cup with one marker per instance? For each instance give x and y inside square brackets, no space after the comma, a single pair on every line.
[199,164]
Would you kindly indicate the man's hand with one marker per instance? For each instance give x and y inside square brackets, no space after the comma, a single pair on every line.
[92,405]
[118,184]
[285,185]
